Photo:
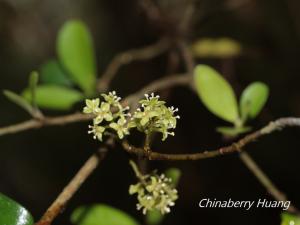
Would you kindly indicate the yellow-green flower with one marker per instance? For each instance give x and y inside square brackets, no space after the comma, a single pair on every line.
[97,131]
[154,192]
[120,127]
[92,105]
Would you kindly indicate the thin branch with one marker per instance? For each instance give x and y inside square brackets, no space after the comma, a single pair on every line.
[265,180]
[151,10]
[59,204]
[187,57]
[235,147]
[157,85]
[127,57]
[46,121]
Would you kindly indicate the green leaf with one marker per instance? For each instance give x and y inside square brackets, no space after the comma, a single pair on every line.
[216,93]
[233,131]
[154,217]
[289,219]
[33,81]
[253,99]
[216,48]
[54,97]
[100,214]
[53,73]
[174,174]
[20,101]
[76,53]
[11,213]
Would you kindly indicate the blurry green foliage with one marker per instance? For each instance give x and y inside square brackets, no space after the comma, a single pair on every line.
[216,48]
[54,97]
[53,73]
[100,214]
[289,219]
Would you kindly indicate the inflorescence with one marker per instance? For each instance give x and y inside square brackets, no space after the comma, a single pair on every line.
[152,116]
[154,192]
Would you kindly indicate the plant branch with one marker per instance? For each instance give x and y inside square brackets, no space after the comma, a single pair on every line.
[235,147]
[127,57]
[59,204]
[265,180]
[187,57]
[157,85]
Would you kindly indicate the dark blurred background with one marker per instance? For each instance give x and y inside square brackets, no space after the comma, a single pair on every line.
[35,165]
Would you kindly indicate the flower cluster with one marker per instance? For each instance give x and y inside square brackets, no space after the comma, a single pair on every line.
[154,192]
[152,116]
[108,114]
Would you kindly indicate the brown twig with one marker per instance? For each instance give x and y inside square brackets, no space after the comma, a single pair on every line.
[58,205]
[46,121]
[152,12]
[127,57]
[187,57]
[158,85]
[235,147]
[265,181]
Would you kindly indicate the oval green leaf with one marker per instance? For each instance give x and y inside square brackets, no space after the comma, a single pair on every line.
[76,53]
[101,214]
[52,73]
[216,93]
[289,219]
[54,97]
[253,99]
[11,213]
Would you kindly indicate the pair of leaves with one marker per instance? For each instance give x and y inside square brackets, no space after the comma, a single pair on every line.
[12,213]
[76,65]
[101,214]
[218,96]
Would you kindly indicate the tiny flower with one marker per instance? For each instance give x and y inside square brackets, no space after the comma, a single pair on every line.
[112,98]
[92,105]
[120,127]
[97,131]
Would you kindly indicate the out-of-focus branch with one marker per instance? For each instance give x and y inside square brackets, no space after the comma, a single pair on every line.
[127,57]
[60,202]
[151,10]
[265,181]
[187,57]
[158,85]
[235,147]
